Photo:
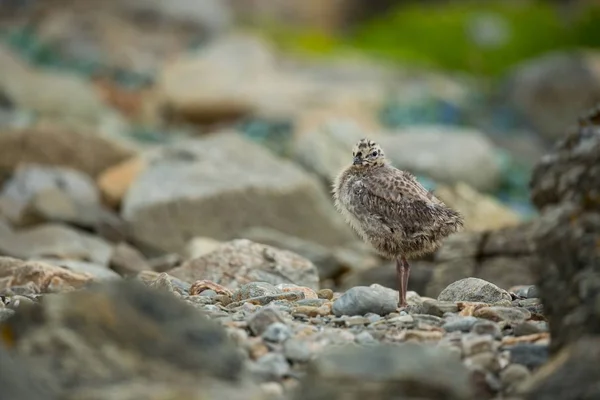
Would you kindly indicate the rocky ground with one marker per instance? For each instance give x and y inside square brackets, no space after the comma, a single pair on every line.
[86,315]
[482,340]
[175,238]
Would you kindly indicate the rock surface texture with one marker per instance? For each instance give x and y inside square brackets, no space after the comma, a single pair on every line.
[240,261]
[566,185]
[136,337]
[220,186]
[504,257]
[168,232]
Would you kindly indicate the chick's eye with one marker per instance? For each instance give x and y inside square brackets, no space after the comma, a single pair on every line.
[374,154]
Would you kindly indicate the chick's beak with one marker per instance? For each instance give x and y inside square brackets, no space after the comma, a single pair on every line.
[357,161]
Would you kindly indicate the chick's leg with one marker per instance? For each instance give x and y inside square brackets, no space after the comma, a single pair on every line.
[406,274]
[402,276]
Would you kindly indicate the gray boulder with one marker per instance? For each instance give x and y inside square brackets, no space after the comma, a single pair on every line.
[110,338]
[55,240]
[361,300]
[241,261]
[80,149]
[406,371]
[221,185]
[40,192]
[474,289]
[551,90]
[447,155]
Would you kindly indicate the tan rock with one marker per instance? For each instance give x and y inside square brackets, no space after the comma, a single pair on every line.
[238,75]
[202,285]
[308,292]
[49,93]
[127,260]
[46,277]
[88,151]
[215,83]
[98,272]
[481,212]
[114,181]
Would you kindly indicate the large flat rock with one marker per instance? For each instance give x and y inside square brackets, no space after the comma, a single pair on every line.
[87,151]
[444,154]
[222,184]
[242,261]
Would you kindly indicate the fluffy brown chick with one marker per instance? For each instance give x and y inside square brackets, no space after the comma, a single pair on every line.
[391,210]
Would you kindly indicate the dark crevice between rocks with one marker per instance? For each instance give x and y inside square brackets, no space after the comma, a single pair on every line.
[480,252]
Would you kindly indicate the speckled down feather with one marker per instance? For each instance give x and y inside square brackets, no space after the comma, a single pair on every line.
[390,209]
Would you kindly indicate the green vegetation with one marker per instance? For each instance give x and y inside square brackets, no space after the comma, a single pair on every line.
[439,35]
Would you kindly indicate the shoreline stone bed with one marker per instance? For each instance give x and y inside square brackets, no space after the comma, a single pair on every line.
[487,340]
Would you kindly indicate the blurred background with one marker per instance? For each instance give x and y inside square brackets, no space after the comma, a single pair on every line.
[174,125]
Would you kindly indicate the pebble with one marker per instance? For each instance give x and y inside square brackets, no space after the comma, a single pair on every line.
[297,350]
[356,321]
[209,293]
[17,300]
[428,319]
[513,375]
[264,300]
[528,292]
[534,306]
[261,319]
[28,289]
[483,327]
[401,319]
[326,294]
[255,289]
[422,336]
[527,303]
[6,313]
[256,348]
[223,299]
[239,336]
[512,315]
[462,324]
[438,308]
[529,355]
[365,338]
[277,332]
[272,390]
[361,300]
[475,344]
[271,366]
[373,317]
[528,328]
[312,302]
[200,299]
[211,308]
[486,360]
[288,287]
[309,311]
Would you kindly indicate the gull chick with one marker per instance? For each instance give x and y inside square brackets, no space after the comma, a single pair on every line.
[391,210]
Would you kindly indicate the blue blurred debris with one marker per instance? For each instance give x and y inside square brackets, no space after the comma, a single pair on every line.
[276,135]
